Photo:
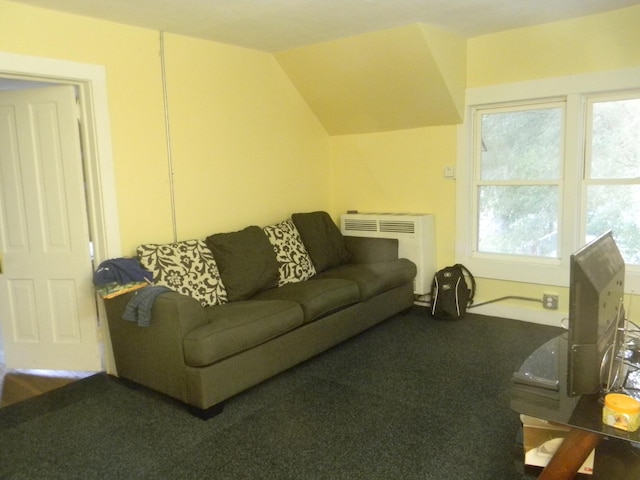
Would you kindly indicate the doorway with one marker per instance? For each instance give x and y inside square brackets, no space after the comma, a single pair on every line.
[14,85]
[90,84]
[47,301]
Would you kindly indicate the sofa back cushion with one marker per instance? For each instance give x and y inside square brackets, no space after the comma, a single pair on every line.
[322,239]
[295,264]
[187,267]
[246,261]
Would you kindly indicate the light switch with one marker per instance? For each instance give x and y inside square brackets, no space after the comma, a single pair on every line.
[449,172]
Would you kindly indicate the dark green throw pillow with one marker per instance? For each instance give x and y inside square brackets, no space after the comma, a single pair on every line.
[246,261]
[322,239]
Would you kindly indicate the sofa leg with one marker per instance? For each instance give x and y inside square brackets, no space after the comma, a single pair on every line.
[207,413]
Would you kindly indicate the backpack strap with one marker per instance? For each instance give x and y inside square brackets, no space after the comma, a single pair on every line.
[466,271]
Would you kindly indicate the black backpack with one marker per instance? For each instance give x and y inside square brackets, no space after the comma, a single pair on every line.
[450,294]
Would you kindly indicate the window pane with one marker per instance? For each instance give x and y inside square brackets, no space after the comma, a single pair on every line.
[608,208]
[615,144]
[518,220]
[523,144]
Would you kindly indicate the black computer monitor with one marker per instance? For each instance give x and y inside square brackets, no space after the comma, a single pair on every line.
[596,317]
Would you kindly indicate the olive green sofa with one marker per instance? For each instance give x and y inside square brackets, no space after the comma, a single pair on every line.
[202,352]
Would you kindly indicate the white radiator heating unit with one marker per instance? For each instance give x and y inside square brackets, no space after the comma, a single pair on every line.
[415,234]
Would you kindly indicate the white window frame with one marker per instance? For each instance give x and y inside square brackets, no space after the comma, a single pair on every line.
[477,181]
[575,90]
[588,180]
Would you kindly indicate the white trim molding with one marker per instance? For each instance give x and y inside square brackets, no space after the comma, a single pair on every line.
[91,82]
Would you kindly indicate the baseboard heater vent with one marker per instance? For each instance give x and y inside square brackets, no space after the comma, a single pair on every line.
[415,234]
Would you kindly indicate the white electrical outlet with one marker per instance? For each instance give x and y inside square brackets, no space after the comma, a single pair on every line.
[550,301]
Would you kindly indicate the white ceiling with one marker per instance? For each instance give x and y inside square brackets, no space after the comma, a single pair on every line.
[278,25]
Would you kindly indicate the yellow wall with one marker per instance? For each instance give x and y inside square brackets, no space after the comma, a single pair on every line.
[607,41]
[400,171]
[246,148]
[135,102]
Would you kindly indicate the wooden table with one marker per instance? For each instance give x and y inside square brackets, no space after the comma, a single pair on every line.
[571,454]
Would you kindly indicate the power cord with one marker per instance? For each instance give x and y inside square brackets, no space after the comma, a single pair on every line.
[510,297]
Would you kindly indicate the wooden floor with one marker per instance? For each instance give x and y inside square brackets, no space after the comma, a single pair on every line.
[19,385]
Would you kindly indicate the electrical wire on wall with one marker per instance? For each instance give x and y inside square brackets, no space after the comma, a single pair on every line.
[422,300]
[168,139]
[510,297]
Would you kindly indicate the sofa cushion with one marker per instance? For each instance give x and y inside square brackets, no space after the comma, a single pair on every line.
[374,278]
[187,267]
[294,260]
[246,261]
[316,297]
[238,326]
[322,239]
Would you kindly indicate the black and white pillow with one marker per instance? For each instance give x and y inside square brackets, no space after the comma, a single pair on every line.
[188,267]
[295,262]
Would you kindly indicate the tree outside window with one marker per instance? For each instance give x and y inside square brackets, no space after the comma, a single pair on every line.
[519,184]
[612,173]
[519,163]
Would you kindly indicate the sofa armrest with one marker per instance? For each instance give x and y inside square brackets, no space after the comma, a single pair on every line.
[154,356]
[371,250]
[185,312]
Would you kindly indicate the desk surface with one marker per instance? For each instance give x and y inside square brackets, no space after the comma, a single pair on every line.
[549,400]
[549,363]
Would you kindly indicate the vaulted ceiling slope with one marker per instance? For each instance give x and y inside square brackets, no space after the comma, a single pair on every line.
[361,65]
[395,79]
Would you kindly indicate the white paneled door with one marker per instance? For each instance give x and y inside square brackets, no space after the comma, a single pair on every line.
[48,314]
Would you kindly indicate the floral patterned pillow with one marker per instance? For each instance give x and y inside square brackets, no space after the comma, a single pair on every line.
[295,262]
[187,267]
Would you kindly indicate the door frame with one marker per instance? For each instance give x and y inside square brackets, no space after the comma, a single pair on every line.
[91,84]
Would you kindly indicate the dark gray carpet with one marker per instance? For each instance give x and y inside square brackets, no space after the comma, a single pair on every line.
[413,398]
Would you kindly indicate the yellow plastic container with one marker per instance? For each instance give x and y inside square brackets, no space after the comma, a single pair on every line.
[621,411]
